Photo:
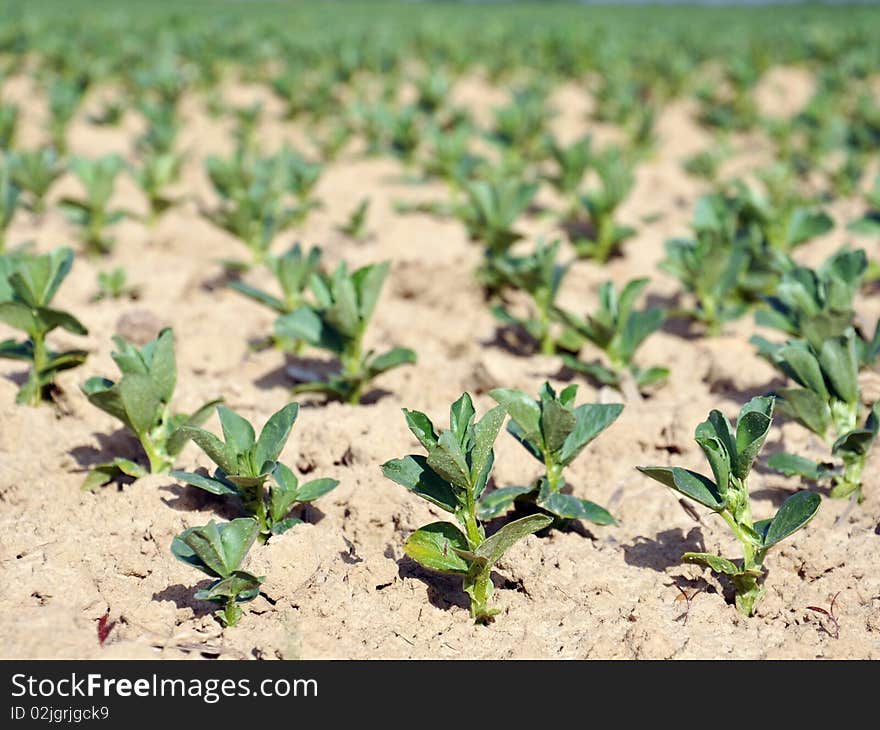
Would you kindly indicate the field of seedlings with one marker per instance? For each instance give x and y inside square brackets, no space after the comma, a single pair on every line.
[379,330]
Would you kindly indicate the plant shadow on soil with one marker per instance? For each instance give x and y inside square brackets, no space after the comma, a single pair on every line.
[319,369]
[118,443]
[664,551]
[183,596]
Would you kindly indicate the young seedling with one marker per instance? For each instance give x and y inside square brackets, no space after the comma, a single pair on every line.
[156,172]
[817,304]
[338,323]
[869,224]
[141,399]
[453,477]
[245,464]
[113,284]
[356,225]
[555,432]
[219,551]
[92,213]
[539,276]
[35,172]
[731,454]
[9,197]
[618,330]
[28,283]
[489,214]
[65,96]
[8,125]
[829,404]
[600,205]
[572,162]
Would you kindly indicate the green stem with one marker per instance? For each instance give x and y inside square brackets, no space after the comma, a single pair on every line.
[850,482]
[353,369]
[41,360]
[231,612]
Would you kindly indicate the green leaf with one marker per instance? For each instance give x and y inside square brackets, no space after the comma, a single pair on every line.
[716,454]
[856,442]
[841,366]
[421,427]
[19,316]
[499,500]
[369,281]
[220,453]
[434,547]
[214,486]
[557,422]
[391,359]
[52,318]
[485,432]
[163,368]
[807,407]
[794,513]
[237,431]
[282,526]
[448,460]
[461,416]
[524,410]
[691,484]
[806,224]
[140,401]
[414,473]
[802,365]
[494,546]
[275,434]
[178,438]
[794,465]
[310,491]
[102,474]
[572,508]
[590,420]
[752,428]
[714,562]
[240,585]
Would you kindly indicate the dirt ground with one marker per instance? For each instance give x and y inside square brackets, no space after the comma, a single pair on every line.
[340,586]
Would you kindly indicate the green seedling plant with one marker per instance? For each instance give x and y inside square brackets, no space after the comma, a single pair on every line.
[92,213]
[816,304]
[65,96]
[28,283]
[731,454]
[218,550]
[9,200]
[555,432]
[248,470]
[618,330]
[141,400]
[572,163]
[154,175]
[293,271]
[828,402]
[356,225]
[453,477]
[869,223]
[113,285]
[8,125]
[539,276]
[599,205]
[35,171]
[338,322]
[489,213]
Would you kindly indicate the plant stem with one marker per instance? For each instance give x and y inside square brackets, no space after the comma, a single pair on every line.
[35,389]
[850,482]
[231,612]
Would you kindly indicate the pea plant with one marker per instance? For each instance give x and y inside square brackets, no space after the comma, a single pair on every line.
[618,330]
[539,276]
[34,172]
[9,198]
[92,213]
[248,470]
[555,432]
[869,223]
[572,163]
[828,402]
[113,284]
[338,322]
[453,477]
[156,172]
[355,227]
[731,454]
[141,400]
[218,550]
[604,235]
[28,283]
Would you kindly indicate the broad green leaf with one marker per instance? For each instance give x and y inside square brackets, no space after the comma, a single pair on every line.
[461,416]
[275,434]
[214,486]
[103,394]
[448,460]
[391,359]
[803,366]
[752,428]
[237,431]
[282,526]
[163,368]
[794,513]
[514,429]
[794,465]
[494,546]
[178,438]
[485,432]
[52,318]
[572,508]
[691,484]
[857,442]
[714,562]
[414,473]
[202,548]
[240,585]
[141,402]
[434,547]
[19,317]
[369,282]
[841,366]
[499,500]
[421,427]
[591,419]
[310,491]
[557,422]
[237,537]
[807,407]
[220,453]
[523,409]
[806,224]
[717,456]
